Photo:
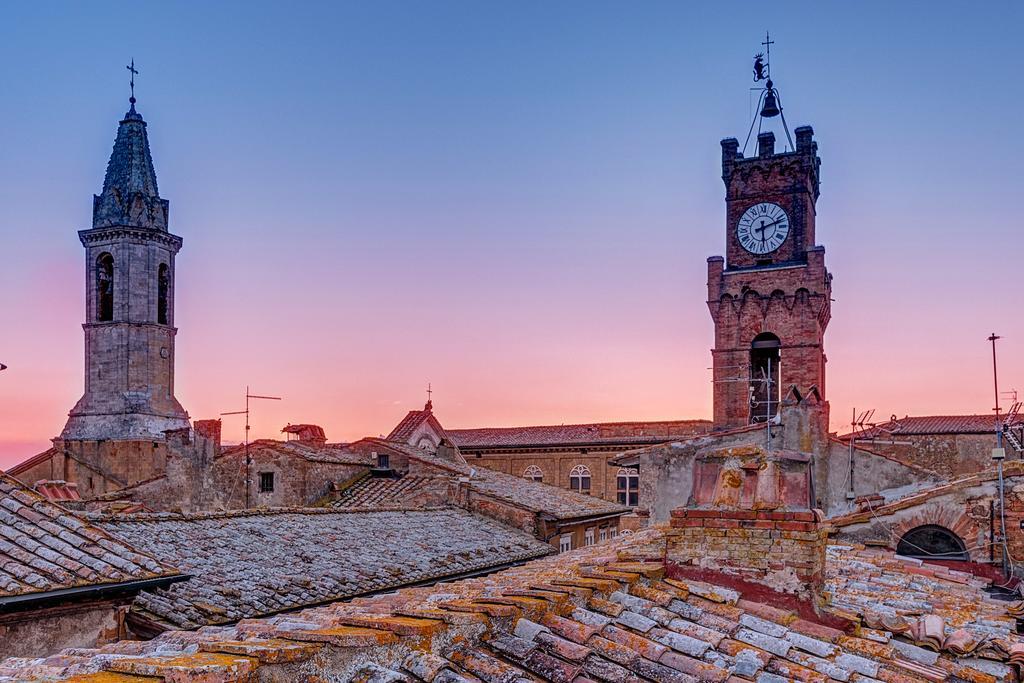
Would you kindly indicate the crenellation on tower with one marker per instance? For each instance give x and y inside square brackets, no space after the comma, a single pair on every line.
[770,296]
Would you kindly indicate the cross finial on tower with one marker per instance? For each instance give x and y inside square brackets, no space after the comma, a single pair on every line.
[134,71]
[430,403]
[768,42]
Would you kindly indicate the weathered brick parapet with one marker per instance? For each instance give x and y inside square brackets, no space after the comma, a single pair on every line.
[753,550]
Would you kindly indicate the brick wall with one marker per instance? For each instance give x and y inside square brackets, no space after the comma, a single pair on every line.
[782,551]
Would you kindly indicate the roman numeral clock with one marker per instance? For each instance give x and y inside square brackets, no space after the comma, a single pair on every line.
[762,228]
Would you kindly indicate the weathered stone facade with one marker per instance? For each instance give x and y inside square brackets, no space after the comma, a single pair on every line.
[129,286]
[781,297]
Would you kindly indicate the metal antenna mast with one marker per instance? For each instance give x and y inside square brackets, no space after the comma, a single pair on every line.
[998,454]
[248,459]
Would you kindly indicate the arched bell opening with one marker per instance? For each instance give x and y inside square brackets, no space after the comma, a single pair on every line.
[932,542]
[765,392]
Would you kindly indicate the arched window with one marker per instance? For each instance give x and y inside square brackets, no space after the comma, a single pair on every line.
[163,282]
[932,542]
[627,487]
[764,377]
[104,287]
[579,479]
[533,473]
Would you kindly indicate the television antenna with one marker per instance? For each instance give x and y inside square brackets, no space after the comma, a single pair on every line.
[248,459]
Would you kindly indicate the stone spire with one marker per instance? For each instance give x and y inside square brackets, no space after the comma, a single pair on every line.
[130,197]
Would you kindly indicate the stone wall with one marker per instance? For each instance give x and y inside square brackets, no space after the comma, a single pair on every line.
[44,631]
[948,455]
[782,551]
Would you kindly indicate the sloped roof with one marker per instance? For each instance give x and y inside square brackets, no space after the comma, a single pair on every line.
[936,424]
[523,493]
[577,434]
[300,449]
[539,497]
[247,564]
[382,492]
[404,430]
[46,548]
[604,613]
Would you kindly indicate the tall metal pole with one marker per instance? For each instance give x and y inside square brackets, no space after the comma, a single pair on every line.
[1000,453]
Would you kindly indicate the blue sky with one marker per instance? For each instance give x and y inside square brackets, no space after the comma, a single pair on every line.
[514,201]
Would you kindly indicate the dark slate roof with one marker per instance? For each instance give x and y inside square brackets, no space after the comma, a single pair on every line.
[249,564]
[936,424]
[381,492]
[44,548]
[130,195]
[597,433]
[610,612]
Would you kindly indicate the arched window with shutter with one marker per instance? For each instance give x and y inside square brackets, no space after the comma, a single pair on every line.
[579,479]
[104,287]
[533,473]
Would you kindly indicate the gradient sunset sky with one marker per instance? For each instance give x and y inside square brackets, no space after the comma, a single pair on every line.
[512,201]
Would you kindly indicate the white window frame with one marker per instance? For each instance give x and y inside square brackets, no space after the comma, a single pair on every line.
[579,473]
[602,534]
[565,543]
[533,473]
[588,537]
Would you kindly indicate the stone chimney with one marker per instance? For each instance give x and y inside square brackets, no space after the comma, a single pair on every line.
[749,525]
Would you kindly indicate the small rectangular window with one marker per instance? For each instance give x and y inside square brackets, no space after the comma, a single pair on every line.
[383,461]
[565,543]
[266,482]
[603,534]
[588,537]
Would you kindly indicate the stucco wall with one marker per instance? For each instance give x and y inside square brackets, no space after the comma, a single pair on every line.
[42,632]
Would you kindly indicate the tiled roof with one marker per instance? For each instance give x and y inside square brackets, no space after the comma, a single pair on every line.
[524,493]
[411,422]
[605,613]
[894,592]
[377,492]
[540,497]
[257,563]
[45,548]
[936,424]
[590,433]
[327,454]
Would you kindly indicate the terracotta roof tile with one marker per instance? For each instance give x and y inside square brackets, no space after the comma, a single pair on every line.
[936,424]
[589,433]
[569,638]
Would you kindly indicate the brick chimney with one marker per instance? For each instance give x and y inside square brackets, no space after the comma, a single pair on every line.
[749,525]
[208,429]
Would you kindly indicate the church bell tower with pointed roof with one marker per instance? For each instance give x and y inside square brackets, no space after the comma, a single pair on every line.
[129,302]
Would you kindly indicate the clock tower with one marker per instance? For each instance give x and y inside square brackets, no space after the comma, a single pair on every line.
[770,297]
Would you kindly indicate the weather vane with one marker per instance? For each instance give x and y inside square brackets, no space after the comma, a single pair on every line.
[763,61]
[134,71]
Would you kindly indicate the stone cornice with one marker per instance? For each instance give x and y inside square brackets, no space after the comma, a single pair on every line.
[121,232]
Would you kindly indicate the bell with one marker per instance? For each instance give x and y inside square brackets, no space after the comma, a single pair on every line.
[771,107]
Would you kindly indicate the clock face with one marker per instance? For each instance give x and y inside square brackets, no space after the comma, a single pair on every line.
[763,228]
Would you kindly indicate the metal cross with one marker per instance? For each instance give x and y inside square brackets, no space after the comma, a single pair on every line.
[131,67]
[429,391]
[768,42]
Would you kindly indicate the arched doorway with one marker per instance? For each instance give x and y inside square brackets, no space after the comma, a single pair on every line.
[764,377]
[934,542]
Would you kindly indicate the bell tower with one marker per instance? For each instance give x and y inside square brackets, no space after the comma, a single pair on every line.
[770,297]
[129,302]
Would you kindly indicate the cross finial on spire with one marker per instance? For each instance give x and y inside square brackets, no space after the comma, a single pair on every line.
[430,403]
[134,71]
